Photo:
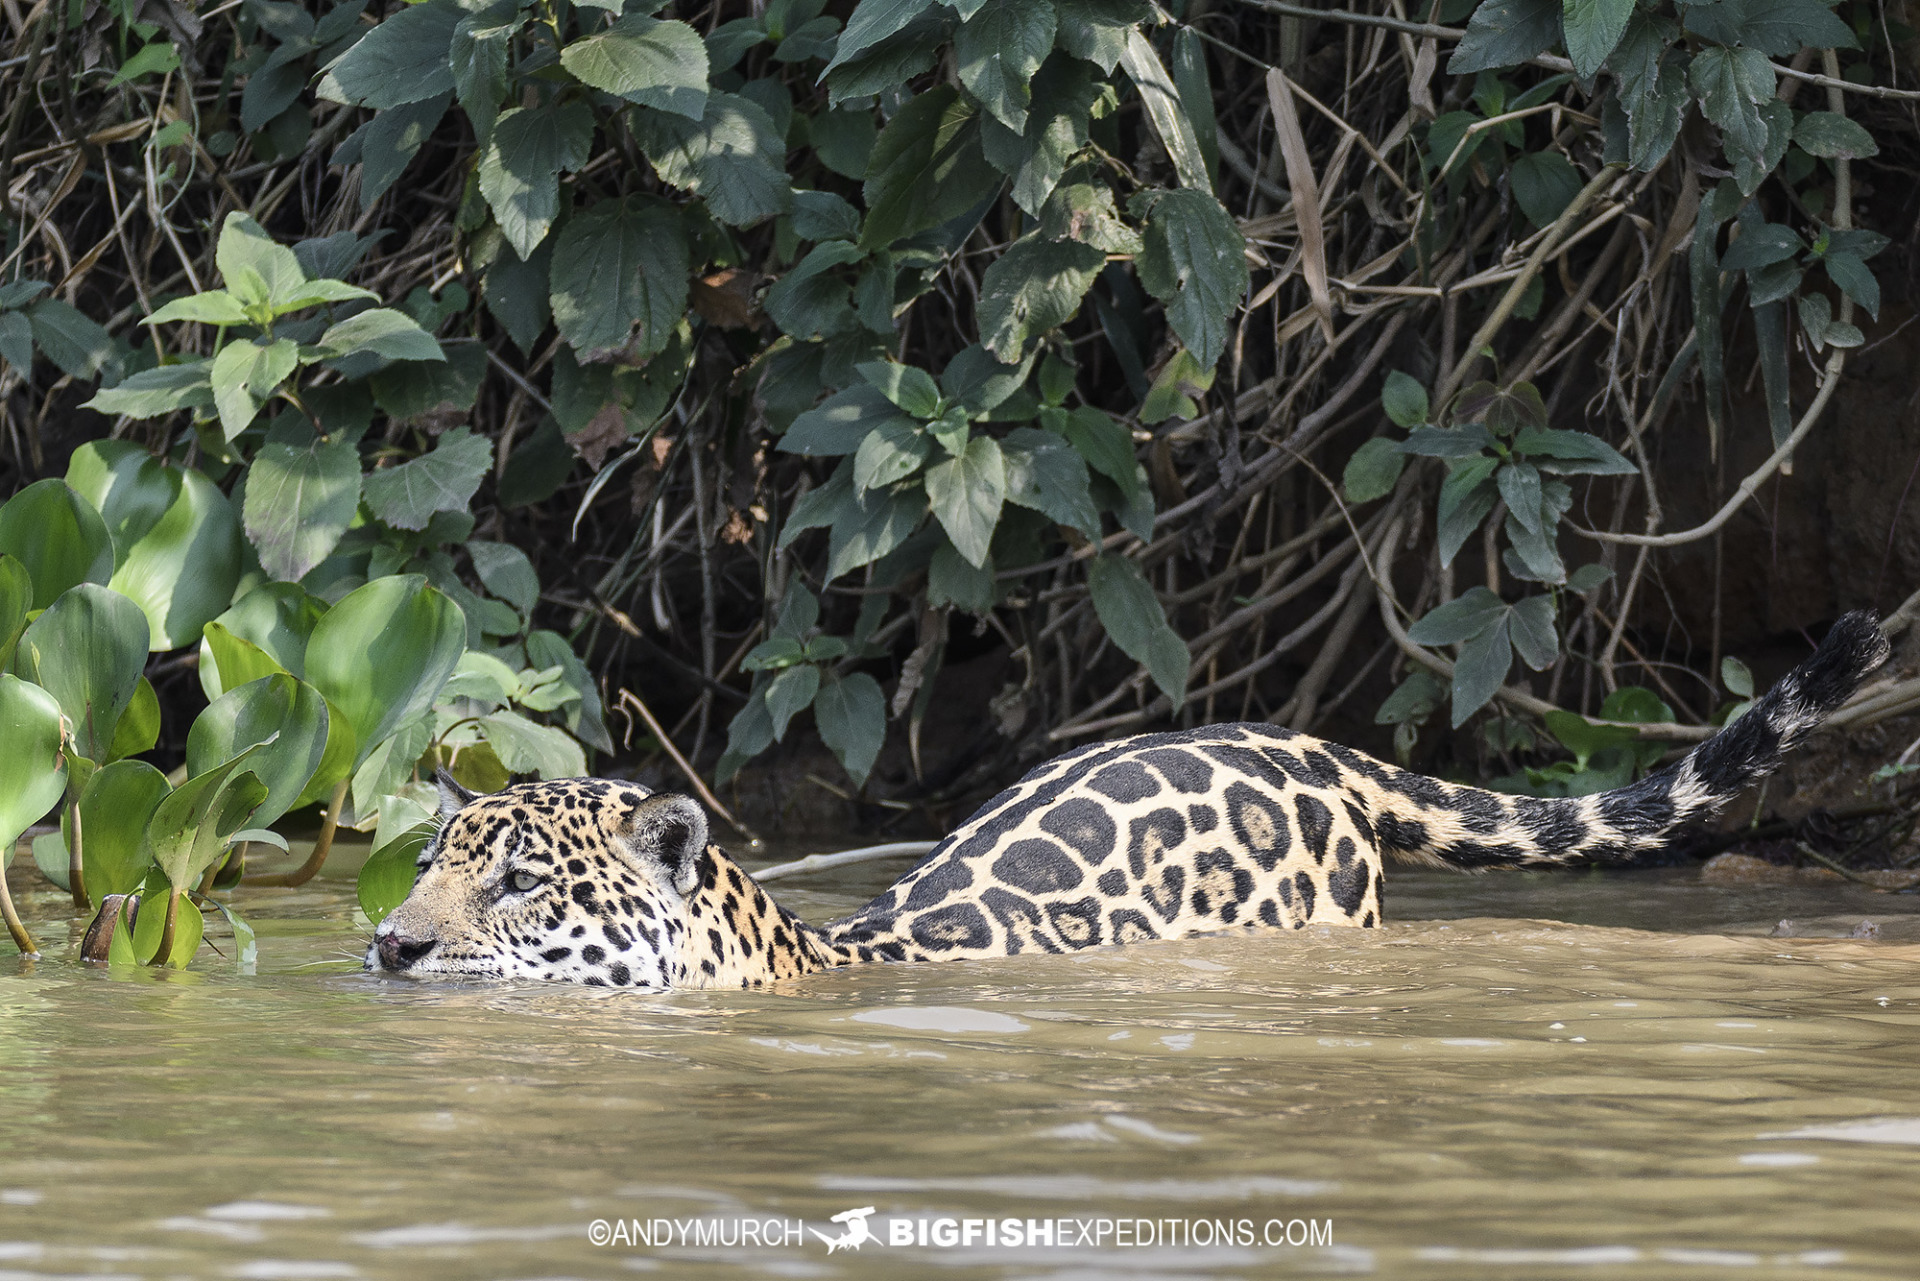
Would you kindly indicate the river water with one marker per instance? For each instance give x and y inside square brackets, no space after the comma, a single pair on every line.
[1526,1076]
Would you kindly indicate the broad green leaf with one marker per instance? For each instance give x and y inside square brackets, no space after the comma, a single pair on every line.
[520,167]
[998,51]
[1636,703]
[1046,473]
[1195,262]
[952,581]
[183,570]
[1777,27]
[1404,399]
[479,53]
[1466,496]
[1760,245]
[966,494]
[244,375]
[1855,280]
[1593,28]
[1481,669]
[809,302]
[507,573]
[527,748]
[1730,85]
[1461,618]
[387,877]
[1520,486]
[851,714]
[1505,33]
[821,215]
[1544,183]
[246,253]
[299,502]
[1412,701]
[1735,676]
[1833,136]
[381,655]
[868,526]
[1034,286]
[893,61]
[620,278]
[516,294]
[275,619]
[115,807]
[1571,453]
[1373,470]
[139,727]
[408,495]
[129,487]
[908,386]
[842,422]
[190,826]
[16,596]
[383,332]
[656,63]
[160,390]
[1165,112]
[228,661]
[286,717]
[404,59]
[789,693]
[1132,615]
[926,168]
[873,21]
[731,156]
[1530,628]
[188,930]
[87,650]
[214,307]
[978,382]
[385,146]
[16,341]
[392,761]
[1097,30]
[891,452]
[33,773]
[69,339]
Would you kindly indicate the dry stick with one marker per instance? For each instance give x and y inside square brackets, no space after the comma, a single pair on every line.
[633,700]
[1306,695]
[322,846]
[865,854]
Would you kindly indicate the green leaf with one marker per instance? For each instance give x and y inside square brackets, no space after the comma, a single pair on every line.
[620,278]
[891,62]
[1373,470]
[1735,676]
[656,63]
[1481,669]
[1412,701]
[1034,286]
[790,693]
[384,332]
[1571,453]
[1466,496]
[978,382]
[952,581]
[842,422]
[1530,626]
[1195,262]
[872,22]
[1035,158]
[891,452]
[392,761]
[966,494]
[908,386]
[1854,278]
[1638,704]
[808,302]
[139,727]
[1834,137]
[1545,183]
[528,748]
[1760,246]
[520,167]
[381,655]
[1777,27]
[155,59]
[387,877]
[115,807]
[16,342]
[252,262]
[190,827]
[1132,615]
[408,495]
[516,294]
[1653,88]
[284,717]
[1505,33]
[998,51]
[926,168]
[244,375]
[273,622]
[821,215]
[183,570]
[1165,112]
[70,340]
[33,773]
[1044,472]
[299,502]
[1520,486]
[87,650]
[16,594]
[1593,28]
[1460,619]
[732,157]
[1404,399]
[1731,84]
[214,307]
[160,390]
[851,715]
[58,538]
[404,59]
[507,573]
[479,55]
[868,526]
[1097,30]
[387,144]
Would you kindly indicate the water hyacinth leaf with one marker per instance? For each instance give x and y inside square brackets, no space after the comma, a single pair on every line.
[182,572]
[528,748]
[731,156]
[1195,262]
[299,502]
[407,496]
[33,772]
[402,60]
[1373,470]
[998,51]
[139,727]
[657,63]
[620,278]
[288,714]
[189,928]
[129,487]
[58,538]
[392,762]
[1132,615]
[851,715]
[115,806]
[87,650]
[277,618]
[161,390]
[1502,33]
[521,165]
[190,826]
[1036,285]
[16,597]
[227,661]
[966,493]
[387,877]
[382,653]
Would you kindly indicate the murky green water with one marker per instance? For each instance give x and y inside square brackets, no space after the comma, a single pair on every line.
[1643,1085]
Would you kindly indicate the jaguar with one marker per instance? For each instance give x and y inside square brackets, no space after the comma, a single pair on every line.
[1156,836]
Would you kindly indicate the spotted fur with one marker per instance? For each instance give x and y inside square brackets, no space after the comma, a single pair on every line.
[1156,836]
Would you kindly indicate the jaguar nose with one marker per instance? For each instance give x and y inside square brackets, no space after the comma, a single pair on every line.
[397,952]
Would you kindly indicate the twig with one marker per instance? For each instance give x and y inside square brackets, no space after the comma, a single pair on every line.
[630,699]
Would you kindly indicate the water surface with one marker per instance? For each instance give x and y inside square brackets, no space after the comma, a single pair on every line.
[1531,1075]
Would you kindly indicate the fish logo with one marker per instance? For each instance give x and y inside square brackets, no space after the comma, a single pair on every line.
[856,1234]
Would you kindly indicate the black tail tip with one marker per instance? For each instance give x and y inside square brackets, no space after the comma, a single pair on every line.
[1853,647]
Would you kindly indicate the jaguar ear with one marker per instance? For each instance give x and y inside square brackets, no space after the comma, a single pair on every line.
[453,797]
[672,832]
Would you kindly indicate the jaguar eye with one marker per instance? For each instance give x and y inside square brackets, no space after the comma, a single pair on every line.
[523,882]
